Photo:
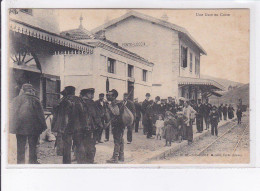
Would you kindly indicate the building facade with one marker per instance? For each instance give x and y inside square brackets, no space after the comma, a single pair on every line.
[110,64]
[174,52]
[36,52]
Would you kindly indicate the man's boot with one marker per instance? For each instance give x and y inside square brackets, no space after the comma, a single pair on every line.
[113,160]
[121,158]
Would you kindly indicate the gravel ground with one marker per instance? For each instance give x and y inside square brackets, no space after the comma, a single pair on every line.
[219,152]
[140,149]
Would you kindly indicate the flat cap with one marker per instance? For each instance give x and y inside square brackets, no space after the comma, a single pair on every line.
[86,91]
[68,90]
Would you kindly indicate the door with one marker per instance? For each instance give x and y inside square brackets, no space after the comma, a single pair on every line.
[130,89]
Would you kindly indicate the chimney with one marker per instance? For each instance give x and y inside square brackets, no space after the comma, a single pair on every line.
[102,35]
[164,17]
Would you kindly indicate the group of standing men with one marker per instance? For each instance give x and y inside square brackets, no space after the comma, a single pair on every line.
[79,121]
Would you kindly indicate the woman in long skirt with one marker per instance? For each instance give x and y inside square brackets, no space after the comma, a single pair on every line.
[188,113]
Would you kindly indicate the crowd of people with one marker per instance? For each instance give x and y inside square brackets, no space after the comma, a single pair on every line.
[79,121]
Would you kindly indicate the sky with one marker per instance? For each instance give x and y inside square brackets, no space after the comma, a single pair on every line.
[225,38]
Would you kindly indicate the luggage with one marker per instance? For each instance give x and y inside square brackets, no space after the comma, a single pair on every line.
[127,117]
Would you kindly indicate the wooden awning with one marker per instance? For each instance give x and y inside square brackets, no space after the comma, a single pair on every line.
[210,84]
[35,32]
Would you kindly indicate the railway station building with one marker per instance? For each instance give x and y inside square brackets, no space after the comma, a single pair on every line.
[174,52]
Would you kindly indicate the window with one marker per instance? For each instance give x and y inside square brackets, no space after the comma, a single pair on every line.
[191,62]
[130,71]
[184,54]
[51,89]
[103,63]
[111,65]
[197,66]
[27,11]
[144,75]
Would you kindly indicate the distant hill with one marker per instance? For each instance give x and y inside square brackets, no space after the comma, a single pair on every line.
[223,82]
[232,96]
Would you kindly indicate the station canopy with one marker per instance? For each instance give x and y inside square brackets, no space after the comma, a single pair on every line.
[200,82]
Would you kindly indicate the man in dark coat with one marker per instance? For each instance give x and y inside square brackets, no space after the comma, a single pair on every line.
[93,123]
[144,107]
[138,110]
[67,122]
[149,115]
[27,122]
[239,115]
[225,110]
[116,110]
[214,115]
[157,107]
[131,106]
[101,109]
[207,108]
[220,111]
[171,106]
[199,116]
[230,112]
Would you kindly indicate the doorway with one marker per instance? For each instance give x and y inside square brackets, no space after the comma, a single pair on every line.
[130,89]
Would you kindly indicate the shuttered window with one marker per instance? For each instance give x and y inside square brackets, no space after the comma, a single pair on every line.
[50,91]
[184,55]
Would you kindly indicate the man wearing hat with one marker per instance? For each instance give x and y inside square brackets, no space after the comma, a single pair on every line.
[27,121]
[149,116]
[214,118]
[171,106]
[101,109]
[67,122]
[93,123]
[138,109]
[144,107]
[207,108]
[199,116]
[116,110]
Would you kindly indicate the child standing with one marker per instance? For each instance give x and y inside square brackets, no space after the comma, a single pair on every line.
[159,124]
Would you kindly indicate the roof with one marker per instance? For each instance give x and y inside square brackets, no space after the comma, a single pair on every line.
[77,34]
[101,42]
[217,93]
[154,20]
[200,81]
[84,36]
[54,38]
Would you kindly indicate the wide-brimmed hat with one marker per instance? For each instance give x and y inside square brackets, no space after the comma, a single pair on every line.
[114,92]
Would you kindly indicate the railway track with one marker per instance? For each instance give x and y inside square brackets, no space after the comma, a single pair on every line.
[223,135]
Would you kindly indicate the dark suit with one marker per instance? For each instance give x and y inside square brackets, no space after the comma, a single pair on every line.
[207,109]
[145,121]
[131,106]
[138,110]
[93,125]
[199,117]
[225,110]
[214,118]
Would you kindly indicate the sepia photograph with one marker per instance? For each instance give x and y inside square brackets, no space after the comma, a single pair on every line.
[128,86]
